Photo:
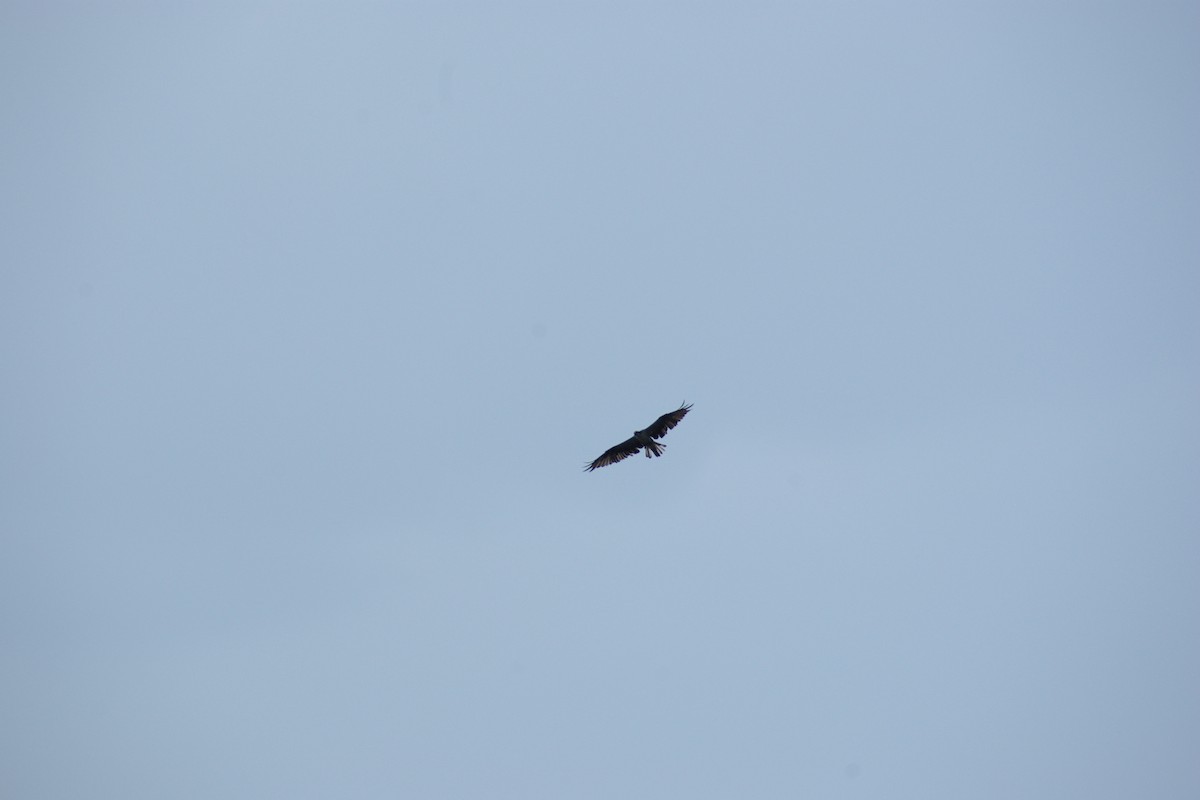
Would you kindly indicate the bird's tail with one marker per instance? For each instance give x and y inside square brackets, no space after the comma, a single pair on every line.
[654,449]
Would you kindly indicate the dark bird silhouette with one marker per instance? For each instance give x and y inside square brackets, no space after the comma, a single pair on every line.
[640,439]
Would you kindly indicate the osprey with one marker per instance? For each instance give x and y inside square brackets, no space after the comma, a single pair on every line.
[640,439]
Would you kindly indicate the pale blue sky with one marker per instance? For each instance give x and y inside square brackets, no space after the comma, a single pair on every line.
[312,313]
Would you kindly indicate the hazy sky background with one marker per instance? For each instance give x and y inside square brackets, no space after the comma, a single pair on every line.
[312,313]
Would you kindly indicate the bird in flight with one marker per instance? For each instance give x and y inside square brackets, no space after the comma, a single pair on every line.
[640,439]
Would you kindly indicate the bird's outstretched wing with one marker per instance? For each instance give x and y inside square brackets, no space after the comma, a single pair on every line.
[666,422]
[612,455]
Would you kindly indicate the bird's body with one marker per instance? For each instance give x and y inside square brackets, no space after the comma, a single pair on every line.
[643,439]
